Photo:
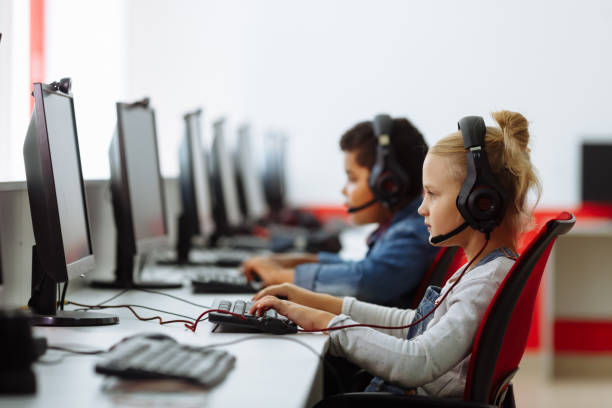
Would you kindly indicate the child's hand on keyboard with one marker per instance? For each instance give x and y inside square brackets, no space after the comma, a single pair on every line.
[287,291]
[267,270]
[302,296]
[306,317]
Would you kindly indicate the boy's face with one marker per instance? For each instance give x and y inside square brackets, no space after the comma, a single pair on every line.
[357,191]
[440,190]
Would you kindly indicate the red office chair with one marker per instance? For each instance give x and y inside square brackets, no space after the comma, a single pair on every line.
[447,261]
[495,356]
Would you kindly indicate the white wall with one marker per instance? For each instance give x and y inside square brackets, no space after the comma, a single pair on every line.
[314,68]
[85,40]
[14,86]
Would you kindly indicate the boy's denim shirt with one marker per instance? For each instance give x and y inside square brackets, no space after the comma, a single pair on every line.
[391,271]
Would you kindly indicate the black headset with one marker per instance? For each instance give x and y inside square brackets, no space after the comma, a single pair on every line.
[388,180]
[482,201]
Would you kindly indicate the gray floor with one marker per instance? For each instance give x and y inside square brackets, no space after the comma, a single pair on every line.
[532,388]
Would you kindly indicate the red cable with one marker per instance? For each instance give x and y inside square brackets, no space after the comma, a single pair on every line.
[190,325]
[194,325]
[376,326]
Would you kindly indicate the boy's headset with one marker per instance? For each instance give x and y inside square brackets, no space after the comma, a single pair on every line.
[482,200]
[388,180]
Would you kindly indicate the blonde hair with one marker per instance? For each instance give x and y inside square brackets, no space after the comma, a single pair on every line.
[508,155]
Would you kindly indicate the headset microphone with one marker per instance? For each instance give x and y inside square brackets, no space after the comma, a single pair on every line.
[443,237]
[352,210]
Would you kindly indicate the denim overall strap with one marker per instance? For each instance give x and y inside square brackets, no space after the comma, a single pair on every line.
[425,306]
[427,303]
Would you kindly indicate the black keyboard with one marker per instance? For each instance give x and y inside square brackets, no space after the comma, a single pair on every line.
[220,257]
[219,280]
[142,357]
[269,322]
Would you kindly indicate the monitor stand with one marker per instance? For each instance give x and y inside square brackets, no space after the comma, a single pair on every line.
[183,245]
[124,275]
[43,303]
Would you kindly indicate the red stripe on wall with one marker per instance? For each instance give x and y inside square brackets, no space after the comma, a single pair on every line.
[577,336]
[37,43]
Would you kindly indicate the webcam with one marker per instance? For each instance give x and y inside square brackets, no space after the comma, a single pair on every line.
[63,85]
[143,103]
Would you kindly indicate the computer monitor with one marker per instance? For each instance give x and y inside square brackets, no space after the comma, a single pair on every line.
[274,171]
[1,278]
[249,185]
[196,218]
[226,211]
[58,207]
[596,169]
[138,195]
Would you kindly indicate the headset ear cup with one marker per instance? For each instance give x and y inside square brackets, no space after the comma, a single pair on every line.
[388,184]
[484,204]
[388,180]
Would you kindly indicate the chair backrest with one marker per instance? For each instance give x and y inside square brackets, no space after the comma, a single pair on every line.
[495,355]
[448,260]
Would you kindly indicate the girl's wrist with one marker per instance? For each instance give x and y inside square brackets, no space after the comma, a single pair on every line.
[324,320]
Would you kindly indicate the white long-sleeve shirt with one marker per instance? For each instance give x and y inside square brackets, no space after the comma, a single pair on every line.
[437,360]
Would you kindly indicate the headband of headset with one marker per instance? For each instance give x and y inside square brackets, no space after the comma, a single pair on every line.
[388,179]
[482,200]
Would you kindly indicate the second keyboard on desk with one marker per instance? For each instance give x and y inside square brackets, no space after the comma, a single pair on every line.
[269,322]
[220,280]
[161,357]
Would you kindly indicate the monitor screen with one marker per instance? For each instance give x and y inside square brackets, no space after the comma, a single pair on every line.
[67,176]
[137,128]
[252,186]
[224,170]
[274,171]
[1,279]
[596,171]
[200,175]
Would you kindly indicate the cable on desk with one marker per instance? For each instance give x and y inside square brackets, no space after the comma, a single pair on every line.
[194,325]
[112,297]
[89,307]
[67,350]
[188,324]
[130,308]
[157,292]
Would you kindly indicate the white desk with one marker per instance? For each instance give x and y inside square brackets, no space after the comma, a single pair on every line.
[270,370]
